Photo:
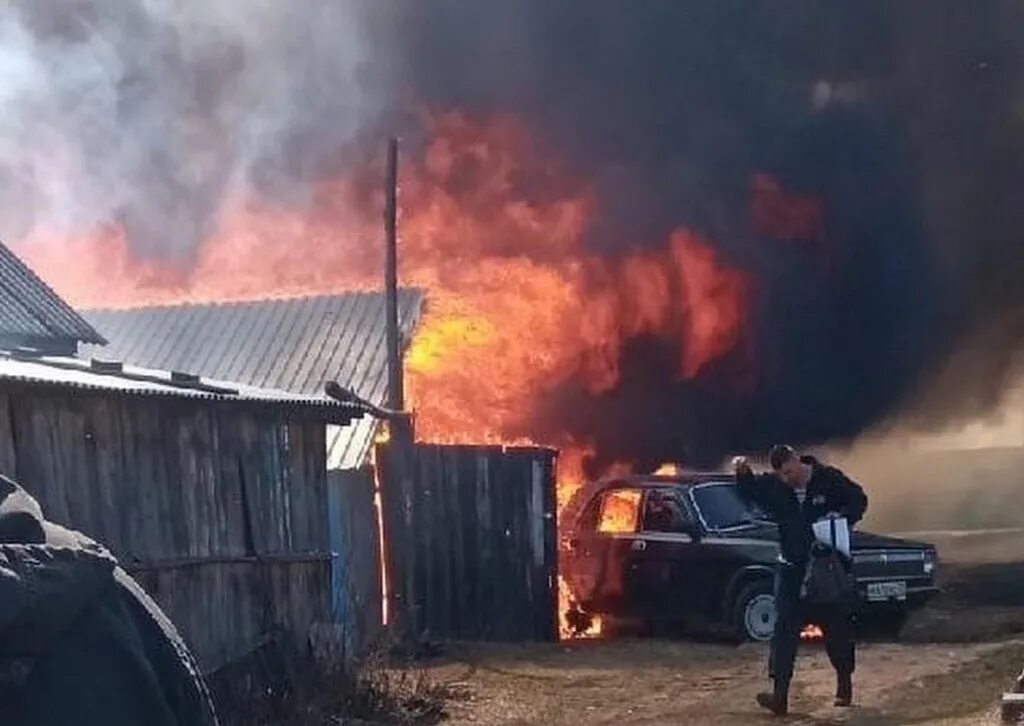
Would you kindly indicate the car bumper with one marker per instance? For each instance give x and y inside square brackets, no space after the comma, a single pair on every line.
[917,594]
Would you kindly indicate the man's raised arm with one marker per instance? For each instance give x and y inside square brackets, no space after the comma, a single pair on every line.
[756,488]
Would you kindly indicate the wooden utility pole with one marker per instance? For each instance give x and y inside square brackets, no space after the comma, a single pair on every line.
[396,386]
[394,459]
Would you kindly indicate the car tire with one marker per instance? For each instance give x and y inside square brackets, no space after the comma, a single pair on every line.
[890,623]
[753,614]
[619,627]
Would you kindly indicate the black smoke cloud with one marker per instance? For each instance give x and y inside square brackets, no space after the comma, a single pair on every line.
[903,118]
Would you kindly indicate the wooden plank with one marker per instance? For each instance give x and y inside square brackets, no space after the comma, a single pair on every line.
[180,563]
[297,489]
[511,500]
[551,544]
[457,582]
[424,527]
[172,481]
[47,435]
[192,526]
[86,465]
[511,611]
[131,482]
[255,494]
[522,621]
[443,543]
[278,481]
[541,600]
[29,474]
[524,626]
[316,459]
[229,499]
[419,556]
[473,606]
[8,452]
[157,536]
[314,463]
[307,453]
[207,484]
[118,484]
[500,530]
[99,506]
[59,464]
[484,544]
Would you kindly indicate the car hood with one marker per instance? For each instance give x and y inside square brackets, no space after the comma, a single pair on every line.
[869,540]
[861,540]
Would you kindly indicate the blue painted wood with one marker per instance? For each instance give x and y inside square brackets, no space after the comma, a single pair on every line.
[336,540]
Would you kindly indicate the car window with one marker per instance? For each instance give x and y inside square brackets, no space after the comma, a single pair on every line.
[664,512]
[721,506]
[620,511]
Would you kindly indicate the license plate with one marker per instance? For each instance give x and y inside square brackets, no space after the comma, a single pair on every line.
[896,590]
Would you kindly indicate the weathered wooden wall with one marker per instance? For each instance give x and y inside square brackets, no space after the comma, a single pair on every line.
[220,512]
[356,565]
[470,536]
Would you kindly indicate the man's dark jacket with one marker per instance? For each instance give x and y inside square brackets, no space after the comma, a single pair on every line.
[80,642]
[829,490]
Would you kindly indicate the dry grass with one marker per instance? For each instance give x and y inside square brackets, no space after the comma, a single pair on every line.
[290,691]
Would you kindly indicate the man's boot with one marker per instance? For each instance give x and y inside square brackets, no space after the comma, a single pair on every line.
[844,690]
[777,701]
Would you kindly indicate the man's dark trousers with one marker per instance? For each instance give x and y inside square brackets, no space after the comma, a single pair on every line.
[790,614]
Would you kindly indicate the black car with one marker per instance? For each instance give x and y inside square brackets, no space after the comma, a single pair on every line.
[669,548]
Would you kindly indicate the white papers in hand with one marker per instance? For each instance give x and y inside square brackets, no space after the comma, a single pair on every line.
[823,533]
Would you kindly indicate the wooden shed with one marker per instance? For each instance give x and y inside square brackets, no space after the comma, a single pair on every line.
[213,494]
[294,345]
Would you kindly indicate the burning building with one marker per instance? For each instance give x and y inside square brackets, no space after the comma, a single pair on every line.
[645,236]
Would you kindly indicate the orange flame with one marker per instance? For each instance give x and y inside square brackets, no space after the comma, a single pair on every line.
[492,228]
[812,632]
[620,512]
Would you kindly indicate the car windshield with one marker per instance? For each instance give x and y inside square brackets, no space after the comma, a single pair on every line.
[721,506]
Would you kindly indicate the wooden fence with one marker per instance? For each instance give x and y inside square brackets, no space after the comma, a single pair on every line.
[219,511]
[470,537]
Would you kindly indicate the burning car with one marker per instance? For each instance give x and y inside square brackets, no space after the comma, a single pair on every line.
[669,548]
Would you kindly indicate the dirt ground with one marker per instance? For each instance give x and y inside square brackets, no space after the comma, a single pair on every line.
[950,666]
[662,682]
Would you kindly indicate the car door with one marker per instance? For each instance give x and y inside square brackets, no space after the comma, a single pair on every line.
[669,572]
[604,548]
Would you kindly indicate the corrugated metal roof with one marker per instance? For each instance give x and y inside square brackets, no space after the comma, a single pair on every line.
[135,381]
[30,312]
[295,345]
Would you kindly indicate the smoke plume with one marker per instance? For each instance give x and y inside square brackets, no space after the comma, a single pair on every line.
[863,162]
[901,119]
[149,114]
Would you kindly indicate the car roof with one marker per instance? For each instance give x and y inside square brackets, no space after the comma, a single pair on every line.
[651,481]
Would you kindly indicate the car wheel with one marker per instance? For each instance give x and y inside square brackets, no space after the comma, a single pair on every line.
[889,623]
[754,612]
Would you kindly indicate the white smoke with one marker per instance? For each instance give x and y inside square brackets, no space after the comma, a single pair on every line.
[149,113]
